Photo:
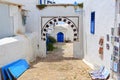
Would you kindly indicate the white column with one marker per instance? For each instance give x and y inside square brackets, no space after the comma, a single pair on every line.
[42,49]
[77,51]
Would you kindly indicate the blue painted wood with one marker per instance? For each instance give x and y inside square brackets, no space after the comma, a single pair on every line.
[14,69]
[8,74]
[19,68]
[60,37]
[49,2]
[5,73]
[92,23]
[40,1]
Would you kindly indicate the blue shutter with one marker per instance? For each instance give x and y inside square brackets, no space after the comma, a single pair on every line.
[92,29]
[40,1]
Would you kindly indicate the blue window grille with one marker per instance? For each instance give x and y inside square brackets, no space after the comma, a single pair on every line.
[92,29]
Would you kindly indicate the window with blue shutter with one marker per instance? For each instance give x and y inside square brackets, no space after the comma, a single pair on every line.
[92,29]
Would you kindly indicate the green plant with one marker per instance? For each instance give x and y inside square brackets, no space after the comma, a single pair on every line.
[65,6]
[80,5]
[50,43]
[52,39]
[50,47]
[42,6]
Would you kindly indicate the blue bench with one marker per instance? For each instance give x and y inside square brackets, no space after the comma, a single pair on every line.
[14,70]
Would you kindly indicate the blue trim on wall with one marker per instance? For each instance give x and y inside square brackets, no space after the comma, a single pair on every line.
[49,2]
[92,29]
[40,1]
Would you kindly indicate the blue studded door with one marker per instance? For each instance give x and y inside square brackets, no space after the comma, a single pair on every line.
[60,37]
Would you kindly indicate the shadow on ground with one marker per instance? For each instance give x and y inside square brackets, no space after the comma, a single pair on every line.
[58,54]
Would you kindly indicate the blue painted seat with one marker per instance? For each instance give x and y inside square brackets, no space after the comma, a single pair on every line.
[14,70]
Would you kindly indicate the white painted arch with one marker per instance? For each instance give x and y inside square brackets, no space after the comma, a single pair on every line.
[46,18]
[55,20]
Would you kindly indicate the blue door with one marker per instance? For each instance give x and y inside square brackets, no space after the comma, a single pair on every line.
[60,37]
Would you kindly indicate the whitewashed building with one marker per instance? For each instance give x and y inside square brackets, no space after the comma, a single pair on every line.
[11,19]
[28,42]
[15,43]
[90,29]
[39,17]
[101,26]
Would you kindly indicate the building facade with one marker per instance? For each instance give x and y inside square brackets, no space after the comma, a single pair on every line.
[35,25]
[101,35]
[11,19]
[92,28]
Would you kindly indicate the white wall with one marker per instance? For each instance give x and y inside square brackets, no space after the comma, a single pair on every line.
[11,20]
[104,21]
[19,47]
[6,29]
[32,23]
[32,17]
[69,34]
[14,48]
[16,18]
[15,14]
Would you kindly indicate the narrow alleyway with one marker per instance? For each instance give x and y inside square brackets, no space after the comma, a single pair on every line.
[59,65]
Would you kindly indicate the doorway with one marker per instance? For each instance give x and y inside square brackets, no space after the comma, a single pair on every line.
[60,37]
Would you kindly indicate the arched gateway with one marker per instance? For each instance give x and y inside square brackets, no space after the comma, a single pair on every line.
[74,23]
[55,20]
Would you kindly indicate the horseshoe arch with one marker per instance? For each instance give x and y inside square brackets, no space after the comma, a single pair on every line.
[55,20]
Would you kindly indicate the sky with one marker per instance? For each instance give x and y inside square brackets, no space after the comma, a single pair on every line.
[67,1]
